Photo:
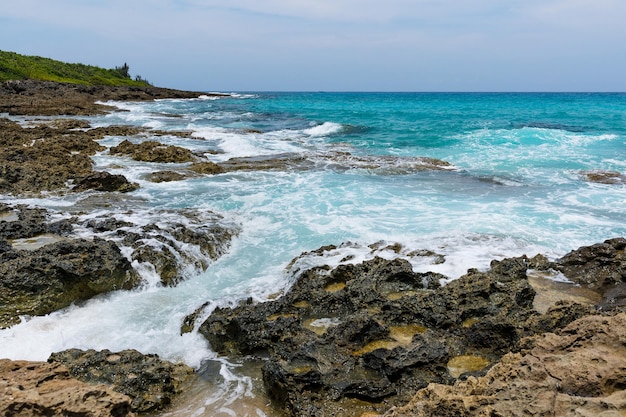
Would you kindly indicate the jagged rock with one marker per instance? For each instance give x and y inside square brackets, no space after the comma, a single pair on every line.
[600,266]
[44,280]
[373,332]
[152,151]
[180,243]
[165,176]
[104,181]
[40,389]
[577,371]
[149,381]
[24,222]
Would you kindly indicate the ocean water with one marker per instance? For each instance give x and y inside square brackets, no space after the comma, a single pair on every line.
[516,186]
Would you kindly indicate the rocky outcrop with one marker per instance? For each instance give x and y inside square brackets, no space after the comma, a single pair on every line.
[576,371]
[50,157]
[374,333]
[150,382]
[362,338]
[39,389]
[19,222]
[31,97]
[56,275]
[174,245]
[104,181]
[600,266]
[152,151]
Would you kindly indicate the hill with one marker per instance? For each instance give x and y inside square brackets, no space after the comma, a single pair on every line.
[14,66]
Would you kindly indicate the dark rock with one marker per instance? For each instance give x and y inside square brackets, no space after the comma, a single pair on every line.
[182,243]
[600,266]
[613,298]
[104,181]
[152,151]
[149,381]
[44,280]
[165,176]
[372,333]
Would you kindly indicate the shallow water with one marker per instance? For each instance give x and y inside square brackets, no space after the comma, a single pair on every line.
[516,188]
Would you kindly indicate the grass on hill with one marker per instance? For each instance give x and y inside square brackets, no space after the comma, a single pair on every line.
[14,66]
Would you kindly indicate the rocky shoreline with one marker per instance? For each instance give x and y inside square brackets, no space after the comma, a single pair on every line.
[359,339]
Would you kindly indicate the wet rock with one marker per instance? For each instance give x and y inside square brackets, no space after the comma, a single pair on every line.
[604,177]
[175,245]
[24,222]
[576,371]
[152,151]
[206,168]
[373,333]
[44,280]
[41,389]
[149,381]
[104,181]
[600,266]
[166,176]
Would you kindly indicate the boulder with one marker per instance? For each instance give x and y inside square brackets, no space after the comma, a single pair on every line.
[56,275]
[149,381]
[600,266]
[40,389]
[104,181]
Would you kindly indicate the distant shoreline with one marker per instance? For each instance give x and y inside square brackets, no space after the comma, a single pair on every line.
[49,98]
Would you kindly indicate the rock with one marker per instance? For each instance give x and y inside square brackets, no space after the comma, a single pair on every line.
[577,371]
[104,181]
[206,168]
[39,389]
[373,333]
[604,177]
[152,151]
[600,266]
[166,176]
[25,222]
[149,381]
[178,244]
[32,97]
[44,280]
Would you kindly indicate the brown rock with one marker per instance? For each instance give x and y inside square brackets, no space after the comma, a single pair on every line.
[152,151]
[104,181]
[578,371]
[32,389]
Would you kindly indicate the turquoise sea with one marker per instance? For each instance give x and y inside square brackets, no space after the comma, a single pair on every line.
[517,185]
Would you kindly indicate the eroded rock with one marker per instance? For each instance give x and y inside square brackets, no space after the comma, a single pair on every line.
[152,151]
[40,389]
[56,275]
[149,381]
[576,371]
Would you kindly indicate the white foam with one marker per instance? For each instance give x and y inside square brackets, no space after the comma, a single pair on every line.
[325,129]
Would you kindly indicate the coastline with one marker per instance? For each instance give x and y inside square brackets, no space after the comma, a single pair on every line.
[71,100]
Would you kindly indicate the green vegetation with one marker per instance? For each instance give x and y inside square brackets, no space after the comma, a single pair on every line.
[14,66]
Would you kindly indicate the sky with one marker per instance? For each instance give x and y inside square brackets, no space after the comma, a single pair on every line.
[334,45]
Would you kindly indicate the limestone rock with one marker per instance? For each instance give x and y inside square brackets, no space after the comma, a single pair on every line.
[152,151]
[39,389]
[577,371]
[150,382]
